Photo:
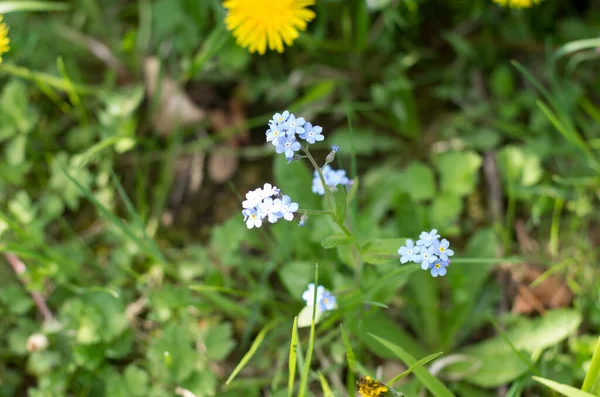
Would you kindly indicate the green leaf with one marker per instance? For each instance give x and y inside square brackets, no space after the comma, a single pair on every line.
[295,276]
[418,181]
[337,240]
[137,380]
[445,209]
[377,321]
[339,202]
[219,342]
[172,354]
[458,171]
[520,166]
[436,387]
[565,390]
[497,362]
[294,180]
[13,6]
[15,299]
[379,251]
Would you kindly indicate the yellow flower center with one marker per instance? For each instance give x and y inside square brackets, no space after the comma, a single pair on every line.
[517,3]
[368,387]
[258,23]
[437,265]
[442,249]
[4,39]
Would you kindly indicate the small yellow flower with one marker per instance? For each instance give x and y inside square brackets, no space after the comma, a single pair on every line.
[4,40]
[518,3]
[256,23]
[368,387]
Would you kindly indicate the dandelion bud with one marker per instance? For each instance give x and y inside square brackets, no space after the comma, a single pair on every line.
[37,342]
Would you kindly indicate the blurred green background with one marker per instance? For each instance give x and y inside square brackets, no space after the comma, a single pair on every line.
[130,130]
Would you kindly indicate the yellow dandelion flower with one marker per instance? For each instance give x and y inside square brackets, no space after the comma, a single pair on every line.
[368,387]
[518,3]
[4,40]
[256,23]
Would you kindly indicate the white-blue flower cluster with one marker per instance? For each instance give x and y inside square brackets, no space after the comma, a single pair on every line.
[332,178]
[285,129]
[430,252]
[267,202]
[325,300]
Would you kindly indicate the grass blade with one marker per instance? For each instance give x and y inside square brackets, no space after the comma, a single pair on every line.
[591,378]
[350,357]
[311,341]
[292,358]
[112,218]
[255,345]
[416,365]
[325,386]
[565,390]
[13,6]
[434,385]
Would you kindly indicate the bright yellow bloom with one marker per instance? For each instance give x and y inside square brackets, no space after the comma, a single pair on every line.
[4,40]
[368,387]
[256,23]
[518,3]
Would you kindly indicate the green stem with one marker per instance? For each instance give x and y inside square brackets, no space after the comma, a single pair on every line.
[318,169]
[311,340]
[345,229]
[592,375]
[314,212]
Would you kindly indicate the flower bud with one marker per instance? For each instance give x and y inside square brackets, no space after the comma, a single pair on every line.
[37,342]
[303,220]
[331,156]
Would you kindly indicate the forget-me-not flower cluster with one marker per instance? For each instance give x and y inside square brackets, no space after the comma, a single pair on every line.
[285,129]
[433,254]
[267,202]
[332,178]
[325,300]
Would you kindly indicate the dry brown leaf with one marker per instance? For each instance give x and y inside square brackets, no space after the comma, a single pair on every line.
[222,163]
[550,293]
[174,108]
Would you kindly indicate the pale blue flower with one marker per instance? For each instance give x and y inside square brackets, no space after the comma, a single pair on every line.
[280,117]
[294,125]
[427,257]
[271,208]
[327,301]
[267,202]
[409,252]
[438,268]
[274,132]
[442,249]
[335,148]
[309,294]
[312,133]
[253,218]
[286,207]
[287,145]
[332,178]
[427,239]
